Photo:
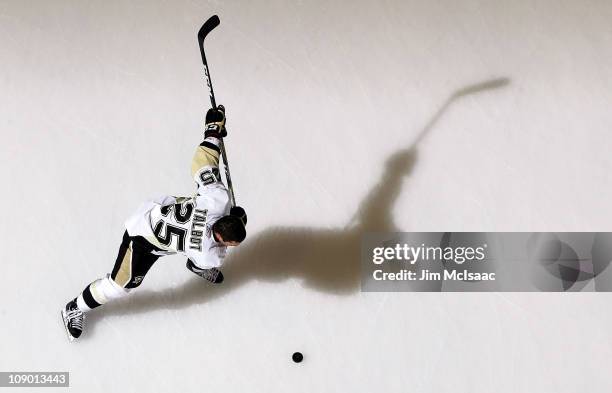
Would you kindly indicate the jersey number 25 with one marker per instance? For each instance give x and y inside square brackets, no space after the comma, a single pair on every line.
[182,214]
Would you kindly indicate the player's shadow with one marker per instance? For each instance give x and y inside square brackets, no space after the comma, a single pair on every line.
[321,259]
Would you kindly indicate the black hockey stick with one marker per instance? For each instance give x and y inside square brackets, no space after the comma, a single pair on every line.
[206,28]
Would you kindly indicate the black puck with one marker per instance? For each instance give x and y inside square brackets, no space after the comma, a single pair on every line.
[297,357]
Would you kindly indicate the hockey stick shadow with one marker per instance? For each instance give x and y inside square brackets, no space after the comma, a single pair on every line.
[322,259]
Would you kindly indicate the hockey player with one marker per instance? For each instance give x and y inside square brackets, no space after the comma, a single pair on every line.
[200,227]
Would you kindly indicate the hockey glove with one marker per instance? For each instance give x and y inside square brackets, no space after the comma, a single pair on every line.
[240,213]
[213,275]
[215,123]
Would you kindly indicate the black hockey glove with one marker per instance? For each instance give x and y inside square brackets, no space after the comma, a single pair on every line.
[215,123]
[213,275]
[240,213]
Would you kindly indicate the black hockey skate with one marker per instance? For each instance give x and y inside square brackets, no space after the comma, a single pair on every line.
[73,320]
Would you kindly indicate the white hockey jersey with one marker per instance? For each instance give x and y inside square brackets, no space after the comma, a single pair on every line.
[183,225]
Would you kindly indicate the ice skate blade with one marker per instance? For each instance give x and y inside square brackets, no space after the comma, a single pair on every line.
[64,321]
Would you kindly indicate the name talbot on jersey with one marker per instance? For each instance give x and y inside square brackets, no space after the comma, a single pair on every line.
[198,224]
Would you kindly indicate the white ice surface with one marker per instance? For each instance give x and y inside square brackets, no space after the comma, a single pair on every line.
[102,104]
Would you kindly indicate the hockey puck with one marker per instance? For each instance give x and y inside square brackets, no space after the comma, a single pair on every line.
[297,357]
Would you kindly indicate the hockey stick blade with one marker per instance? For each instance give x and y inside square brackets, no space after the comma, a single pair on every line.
[207,27]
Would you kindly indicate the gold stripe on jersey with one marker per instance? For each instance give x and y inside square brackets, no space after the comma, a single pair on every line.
[153,240]
[204,156]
